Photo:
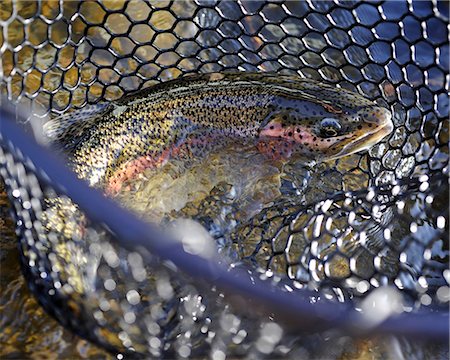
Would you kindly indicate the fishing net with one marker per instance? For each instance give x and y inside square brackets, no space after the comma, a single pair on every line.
[368,252]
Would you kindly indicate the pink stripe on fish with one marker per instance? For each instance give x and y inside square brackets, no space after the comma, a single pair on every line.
[298,134]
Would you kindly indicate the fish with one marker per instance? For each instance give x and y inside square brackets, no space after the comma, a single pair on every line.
[287,117]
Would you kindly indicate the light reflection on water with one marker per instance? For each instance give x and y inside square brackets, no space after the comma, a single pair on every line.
[27,331]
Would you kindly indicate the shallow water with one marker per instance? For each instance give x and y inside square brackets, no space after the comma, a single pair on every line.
[208,188]
[232,193]
[28,332]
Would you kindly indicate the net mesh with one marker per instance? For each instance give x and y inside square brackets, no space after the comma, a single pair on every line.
[380,219]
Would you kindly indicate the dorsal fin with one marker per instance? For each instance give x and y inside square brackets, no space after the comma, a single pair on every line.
[66,130]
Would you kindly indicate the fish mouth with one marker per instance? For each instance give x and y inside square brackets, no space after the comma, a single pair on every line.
[366,141]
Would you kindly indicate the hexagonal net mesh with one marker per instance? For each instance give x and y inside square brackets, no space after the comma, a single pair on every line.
[376,226]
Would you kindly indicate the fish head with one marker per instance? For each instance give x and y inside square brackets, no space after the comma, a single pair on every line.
[326,125]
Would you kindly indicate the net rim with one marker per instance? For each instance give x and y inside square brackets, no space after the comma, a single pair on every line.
[134,234]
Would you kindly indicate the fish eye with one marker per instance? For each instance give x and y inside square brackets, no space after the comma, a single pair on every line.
[330,127]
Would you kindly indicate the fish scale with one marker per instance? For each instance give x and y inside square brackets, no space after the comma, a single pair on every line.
[281,114]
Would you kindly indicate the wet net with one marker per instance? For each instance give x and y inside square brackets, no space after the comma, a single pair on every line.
[368,252]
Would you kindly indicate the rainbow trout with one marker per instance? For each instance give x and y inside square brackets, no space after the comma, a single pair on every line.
[286,117]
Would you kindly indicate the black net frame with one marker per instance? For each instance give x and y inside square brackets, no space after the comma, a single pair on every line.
[312,39]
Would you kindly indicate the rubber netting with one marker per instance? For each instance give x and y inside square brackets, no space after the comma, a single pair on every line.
[379,221]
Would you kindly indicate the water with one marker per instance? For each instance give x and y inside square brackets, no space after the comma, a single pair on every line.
[254,208]
[238,172]
[225,189]
[27,332]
